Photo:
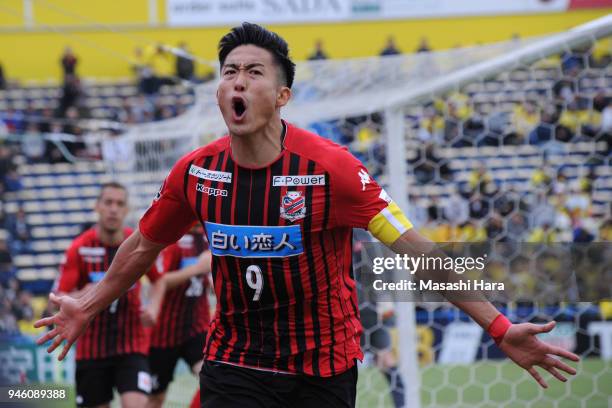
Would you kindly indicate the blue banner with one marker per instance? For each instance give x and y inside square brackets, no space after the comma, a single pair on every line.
[249,241]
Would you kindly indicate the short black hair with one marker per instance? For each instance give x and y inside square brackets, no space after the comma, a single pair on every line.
[110,184]
[249,33]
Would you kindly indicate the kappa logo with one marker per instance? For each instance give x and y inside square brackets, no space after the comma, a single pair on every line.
[144,381]
[293,206]
[212,175]
[294,181]
[384,196]
[211,191]
[364,178]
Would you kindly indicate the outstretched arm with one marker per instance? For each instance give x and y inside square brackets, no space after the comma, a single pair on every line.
[149,314]
[132,260]
[201,267]
[518,341]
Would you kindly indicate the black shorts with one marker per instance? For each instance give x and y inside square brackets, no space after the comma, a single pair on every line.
[229,386]
[95,379]
[163,361]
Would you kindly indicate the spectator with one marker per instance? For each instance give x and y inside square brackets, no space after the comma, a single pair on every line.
[606,118]
[8,323]
[457,209]
[162,63]
[542,177]
[561,184]
[525,118]
[22,306]
[509,201]
[472,232]
[33,144]
[20,232]
[2,78]
[543,235]
[68,62]
[578,202]
[5,161]
[319,53]
[542,212]
[44,126]
[516,227]
[2,212]
[12,180]
[587,182]
[390,48]
[479,206]
[495,228]
[147,83]
[184,63]
[7,269]
[544,131]
[423,45]
[605,231]
[431,126]
[14,120]
[53,153]
[565,88]
[479,178]
[71,93]
[416,212]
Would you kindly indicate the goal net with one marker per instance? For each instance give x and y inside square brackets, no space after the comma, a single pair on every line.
[501,142]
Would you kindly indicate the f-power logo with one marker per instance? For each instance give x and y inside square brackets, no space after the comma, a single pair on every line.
[211,191]
[211,175]
[294,181]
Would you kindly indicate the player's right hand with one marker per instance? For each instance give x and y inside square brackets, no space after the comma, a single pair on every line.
[69,323]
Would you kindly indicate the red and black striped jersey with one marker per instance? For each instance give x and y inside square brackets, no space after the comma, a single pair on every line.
[117,329]
[280,236]
[185,312]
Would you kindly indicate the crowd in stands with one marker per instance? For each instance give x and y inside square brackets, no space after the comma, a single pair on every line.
[39,127]
[15,239]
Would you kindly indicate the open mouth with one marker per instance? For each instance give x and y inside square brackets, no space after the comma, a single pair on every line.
[239,107]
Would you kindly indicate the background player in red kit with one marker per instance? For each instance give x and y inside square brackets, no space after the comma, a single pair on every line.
[184,315]
[278,204]
[112,351]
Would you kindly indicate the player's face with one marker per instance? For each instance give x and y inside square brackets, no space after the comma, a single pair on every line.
[250,93]
[112,208]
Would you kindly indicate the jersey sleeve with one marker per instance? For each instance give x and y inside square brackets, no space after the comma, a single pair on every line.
[170,216]
[68,279]
[361,203]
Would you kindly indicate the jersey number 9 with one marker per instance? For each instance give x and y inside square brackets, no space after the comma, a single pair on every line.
[254,280]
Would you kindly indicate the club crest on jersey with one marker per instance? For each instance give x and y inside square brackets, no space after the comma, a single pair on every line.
[293,206]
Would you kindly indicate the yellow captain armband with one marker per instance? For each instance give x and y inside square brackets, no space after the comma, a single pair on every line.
[389,224]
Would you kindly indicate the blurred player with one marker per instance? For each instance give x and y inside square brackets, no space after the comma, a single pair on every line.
[278,204]
[112,351]
[184,317]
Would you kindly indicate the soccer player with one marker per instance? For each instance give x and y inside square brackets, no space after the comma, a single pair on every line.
[278,205]
[184,317]
[112,351]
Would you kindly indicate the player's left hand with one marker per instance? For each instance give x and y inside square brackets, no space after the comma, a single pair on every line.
[148,316]
[523,347]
